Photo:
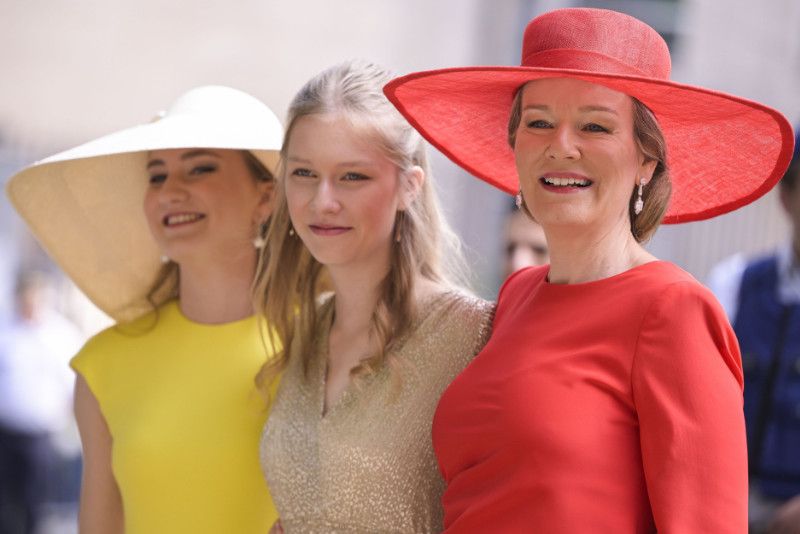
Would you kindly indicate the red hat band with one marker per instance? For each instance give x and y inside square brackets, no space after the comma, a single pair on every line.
[583,60]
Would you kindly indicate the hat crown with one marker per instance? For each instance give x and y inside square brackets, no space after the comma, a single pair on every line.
[216,100]
[595,40]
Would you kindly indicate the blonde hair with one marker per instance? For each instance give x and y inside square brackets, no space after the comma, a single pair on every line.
[651,143]
[288,286]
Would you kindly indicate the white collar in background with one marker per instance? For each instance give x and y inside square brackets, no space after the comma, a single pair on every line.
[788,275]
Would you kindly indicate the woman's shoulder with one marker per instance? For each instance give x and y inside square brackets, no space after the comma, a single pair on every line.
[452,326]
[672,298]
[120,337]
[456,305]
[520,282]
[455,315]
[670,282]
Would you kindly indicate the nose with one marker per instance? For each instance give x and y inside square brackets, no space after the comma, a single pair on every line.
[172,191]
[325,197]
[564,144]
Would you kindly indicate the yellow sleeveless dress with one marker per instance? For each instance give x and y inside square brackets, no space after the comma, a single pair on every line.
[185,417]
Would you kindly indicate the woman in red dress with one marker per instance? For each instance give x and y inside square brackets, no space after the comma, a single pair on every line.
[609,397]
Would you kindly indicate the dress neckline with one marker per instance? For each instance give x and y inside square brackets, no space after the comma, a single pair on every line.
[426,306]
[173,307]
[602,283]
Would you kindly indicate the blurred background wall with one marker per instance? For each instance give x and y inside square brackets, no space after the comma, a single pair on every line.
[75,70]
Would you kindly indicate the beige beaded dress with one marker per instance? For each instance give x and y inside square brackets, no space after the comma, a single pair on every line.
[368,465]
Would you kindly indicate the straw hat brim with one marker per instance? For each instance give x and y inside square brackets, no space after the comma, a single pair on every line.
[84,205]
[723,151]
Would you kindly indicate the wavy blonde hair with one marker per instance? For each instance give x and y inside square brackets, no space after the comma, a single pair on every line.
[290,279]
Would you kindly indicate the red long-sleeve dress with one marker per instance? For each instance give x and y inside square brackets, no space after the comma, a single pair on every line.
[613,406]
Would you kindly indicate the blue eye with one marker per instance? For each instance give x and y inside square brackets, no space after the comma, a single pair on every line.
[305,173]
[156,179]
[203,169]
[354,176]
[539,123]
[592,127]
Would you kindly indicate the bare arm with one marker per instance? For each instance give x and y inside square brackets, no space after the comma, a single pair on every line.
[101,503]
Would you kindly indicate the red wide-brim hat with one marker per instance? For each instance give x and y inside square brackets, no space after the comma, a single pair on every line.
[723,151]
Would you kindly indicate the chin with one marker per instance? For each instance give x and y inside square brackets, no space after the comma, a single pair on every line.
[328,256]
[332,260]
[562,216]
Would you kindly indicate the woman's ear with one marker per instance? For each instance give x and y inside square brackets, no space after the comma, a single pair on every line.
[646,171]
[266,201]
[411,185]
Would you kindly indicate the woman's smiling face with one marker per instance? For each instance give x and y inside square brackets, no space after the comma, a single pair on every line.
[341,190]
[204,203]
[576,155]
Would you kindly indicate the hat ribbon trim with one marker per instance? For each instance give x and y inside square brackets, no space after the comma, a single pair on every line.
[593,62]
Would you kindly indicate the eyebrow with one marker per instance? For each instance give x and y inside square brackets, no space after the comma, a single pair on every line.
[199,152]
[185,156]
[599,108]
[354,163]
[583,109]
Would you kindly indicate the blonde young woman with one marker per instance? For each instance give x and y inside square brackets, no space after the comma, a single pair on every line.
[165,400]
[348,445]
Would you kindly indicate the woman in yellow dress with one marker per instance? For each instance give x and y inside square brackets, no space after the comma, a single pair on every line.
[348,445]
[165,400]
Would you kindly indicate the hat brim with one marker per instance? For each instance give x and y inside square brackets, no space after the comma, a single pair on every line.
[85,205]
[723,151]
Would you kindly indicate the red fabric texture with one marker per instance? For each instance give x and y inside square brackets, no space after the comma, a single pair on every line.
[723,151]
[610,406]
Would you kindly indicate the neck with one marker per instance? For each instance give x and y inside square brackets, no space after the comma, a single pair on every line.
[357,291]
[578,256]
[216,292]
[796,246]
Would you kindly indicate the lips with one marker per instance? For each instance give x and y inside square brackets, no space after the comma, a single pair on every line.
[181,219]
[564,182]
[328,229]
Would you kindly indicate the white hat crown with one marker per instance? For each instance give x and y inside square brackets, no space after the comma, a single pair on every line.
[212,101]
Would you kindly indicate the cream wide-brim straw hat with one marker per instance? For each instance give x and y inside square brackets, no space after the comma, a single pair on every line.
[84,205]
[723,151]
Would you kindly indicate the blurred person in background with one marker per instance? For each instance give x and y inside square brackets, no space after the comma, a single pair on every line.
[35,400]
[762,300]
[525,242]
[160,225]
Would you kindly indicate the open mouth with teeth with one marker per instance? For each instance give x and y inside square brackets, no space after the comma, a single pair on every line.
[179,219]
[565,182]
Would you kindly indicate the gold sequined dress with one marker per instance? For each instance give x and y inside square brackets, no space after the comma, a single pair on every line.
[368,465]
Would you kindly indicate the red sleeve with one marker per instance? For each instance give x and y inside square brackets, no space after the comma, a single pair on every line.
[687,388]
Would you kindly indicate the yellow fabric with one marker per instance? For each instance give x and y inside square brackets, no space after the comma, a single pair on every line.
[185,417]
